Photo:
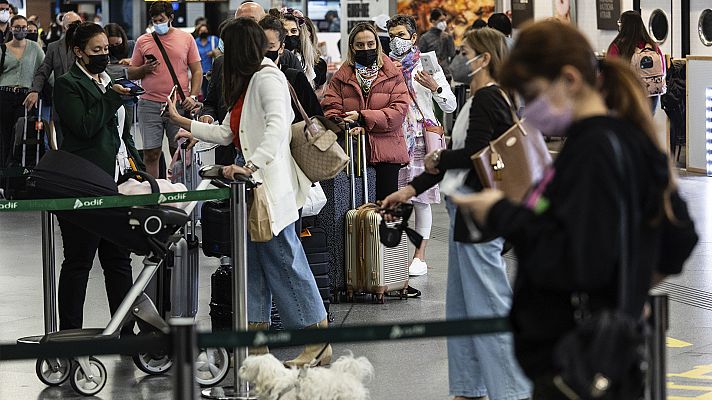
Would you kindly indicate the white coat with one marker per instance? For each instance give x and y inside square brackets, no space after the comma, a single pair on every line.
[446,100]
[265,133]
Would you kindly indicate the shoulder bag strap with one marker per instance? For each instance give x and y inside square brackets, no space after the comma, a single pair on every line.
[625,229]
[2,58]
[169,65]
[515,117]
[295,99]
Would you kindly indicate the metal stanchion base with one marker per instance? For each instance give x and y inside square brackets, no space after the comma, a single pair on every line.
[30,339]
[226,393]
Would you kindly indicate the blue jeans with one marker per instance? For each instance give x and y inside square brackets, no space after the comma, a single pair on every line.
[477,287]
[279,268]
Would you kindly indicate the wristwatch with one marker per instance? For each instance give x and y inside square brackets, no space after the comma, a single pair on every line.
[194,97]
[436,156]
[439,90]
[252,167]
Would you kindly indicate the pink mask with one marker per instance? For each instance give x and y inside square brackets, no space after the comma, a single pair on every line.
[549,119]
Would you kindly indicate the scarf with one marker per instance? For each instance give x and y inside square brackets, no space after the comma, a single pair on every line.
[365,76]
[408,62]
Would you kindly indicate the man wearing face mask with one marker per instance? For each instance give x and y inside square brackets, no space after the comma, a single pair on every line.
[22,58]
[58,59]
[169,57]
[437,39]
[4,20]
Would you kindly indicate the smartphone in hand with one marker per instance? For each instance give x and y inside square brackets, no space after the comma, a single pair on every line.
[150,57]
[135,89]
[430,64]
[171,97]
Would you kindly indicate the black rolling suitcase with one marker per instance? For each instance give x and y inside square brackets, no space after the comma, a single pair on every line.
[316,247]
[27,147]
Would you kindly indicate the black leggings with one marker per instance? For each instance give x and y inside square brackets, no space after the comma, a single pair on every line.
[386,179]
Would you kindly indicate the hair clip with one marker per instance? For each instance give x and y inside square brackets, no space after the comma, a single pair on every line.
[295,13]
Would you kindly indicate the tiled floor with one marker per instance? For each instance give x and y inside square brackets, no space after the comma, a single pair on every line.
[404,370]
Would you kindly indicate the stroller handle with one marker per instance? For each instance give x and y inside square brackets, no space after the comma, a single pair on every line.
[150,179]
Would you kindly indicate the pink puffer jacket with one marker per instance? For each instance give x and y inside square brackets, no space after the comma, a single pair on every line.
[383,110]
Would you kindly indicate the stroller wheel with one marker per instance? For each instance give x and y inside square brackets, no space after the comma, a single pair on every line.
[80,381]
[53,371]
[152,364]
[211,366]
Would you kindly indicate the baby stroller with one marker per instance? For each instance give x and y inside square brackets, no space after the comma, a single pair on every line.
[145,230]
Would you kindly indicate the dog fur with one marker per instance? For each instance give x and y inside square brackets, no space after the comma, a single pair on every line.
[344,380]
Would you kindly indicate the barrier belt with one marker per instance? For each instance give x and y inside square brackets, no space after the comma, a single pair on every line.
[344,334]
[88,203]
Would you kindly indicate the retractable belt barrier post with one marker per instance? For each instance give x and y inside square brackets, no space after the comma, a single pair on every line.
[238,235]
[659,325]
[184,344]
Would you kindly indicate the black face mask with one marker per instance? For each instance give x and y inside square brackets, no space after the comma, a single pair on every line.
[272,55]
[32,36]
[292,43]
[203,35]
[116,51]
[97,63]
[366,57]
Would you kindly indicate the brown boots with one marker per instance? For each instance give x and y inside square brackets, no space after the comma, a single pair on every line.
[319,354]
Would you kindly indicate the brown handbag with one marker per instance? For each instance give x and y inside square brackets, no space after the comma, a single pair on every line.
[515,161]
[314,145]
[259,223]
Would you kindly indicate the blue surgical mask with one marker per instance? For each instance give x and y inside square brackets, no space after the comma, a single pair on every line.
[221,46]
[161,29]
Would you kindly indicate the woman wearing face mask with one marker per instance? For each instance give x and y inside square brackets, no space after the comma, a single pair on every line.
[22,59]
[567,234]
[208,49]
[89,111]
[120,47]
[369,89]
[258,125]
[424,90]
[301,42]
[477,285]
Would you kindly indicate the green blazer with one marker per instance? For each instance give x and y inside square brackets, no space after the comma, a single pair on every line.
[88,120]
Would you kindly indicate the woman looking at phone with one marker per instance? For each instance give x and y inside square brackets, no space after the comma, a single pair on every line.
[89,113]
[477,284]
[258,125]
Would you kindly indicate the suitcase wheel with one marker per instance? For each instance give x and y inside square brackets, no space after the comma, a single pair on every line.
[379,298]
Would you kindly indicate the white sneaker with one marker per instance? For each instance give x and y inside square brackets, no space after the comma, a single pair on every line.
[418,267]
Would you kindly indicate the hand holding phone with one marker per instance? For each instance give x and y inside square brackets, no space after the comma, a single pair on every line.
[171,99]
[150,58]
[135,89]
[430,65]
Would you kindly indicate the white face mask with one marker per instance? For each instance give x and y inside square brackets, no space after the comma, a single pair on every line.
[4,16]
[442,25]
[470,61]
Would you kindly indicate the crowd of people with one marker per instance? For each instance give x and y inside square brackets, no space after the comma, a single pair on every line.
[564,234]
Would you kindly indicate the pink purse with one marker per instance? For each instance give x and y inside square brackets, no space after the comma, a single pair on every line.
[433,136]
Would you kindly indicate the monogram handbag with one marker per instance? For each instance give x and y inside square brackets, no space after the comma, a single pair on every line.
[514,161]
[314,145]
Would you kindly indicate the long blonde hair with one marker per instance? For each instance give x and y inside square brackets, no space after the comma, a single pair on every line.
[361,27]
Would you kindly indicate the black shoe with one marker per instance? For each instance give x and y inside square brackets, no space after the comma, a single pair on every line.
[412,292]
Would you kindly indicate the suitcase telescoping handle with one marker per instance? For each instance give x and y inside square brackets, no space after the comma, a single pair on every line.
[39,128]
[361,151]
[183,153]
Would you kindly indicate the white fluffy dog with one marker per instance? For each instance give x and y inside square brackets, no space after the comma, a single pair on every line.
[344,380]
